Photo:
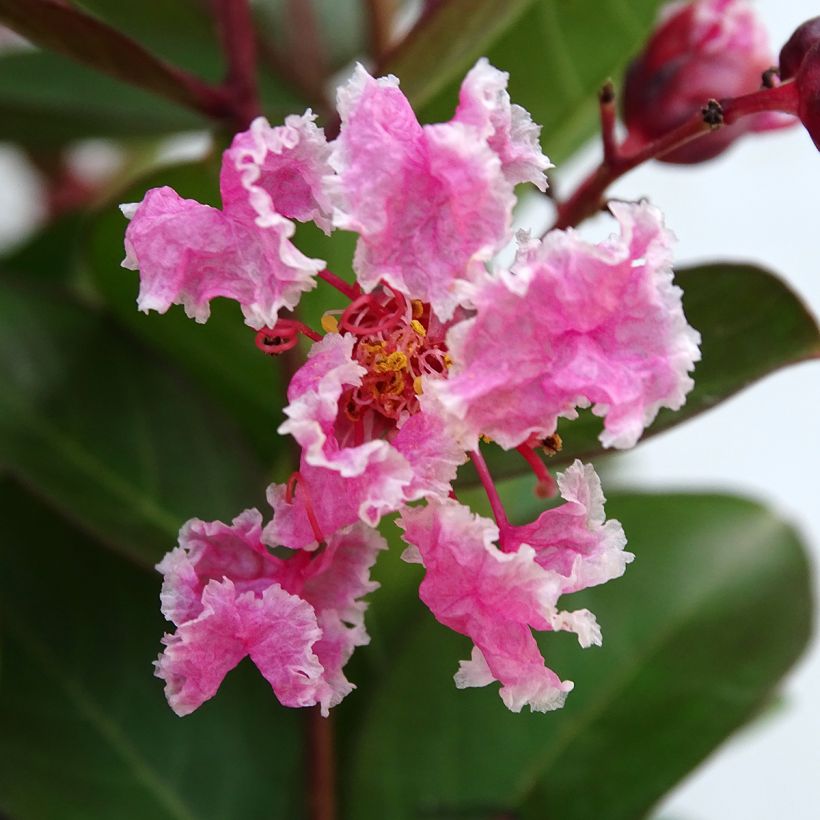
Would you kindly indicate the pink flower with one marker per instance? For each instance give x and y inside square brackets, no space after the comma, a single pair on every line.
[700,50]
[367,446]
[298,619]
[433,203]
[573,324]
[496,596]
[431,352]
[188,253]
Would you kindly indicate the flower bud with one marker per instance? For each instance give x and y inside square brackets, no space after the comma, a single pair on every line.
[792,54]
[700,50]
[808,89]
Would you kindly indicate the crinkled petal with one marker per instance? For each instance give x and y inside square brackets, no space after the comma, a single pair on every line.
[212,550]
[337,581]
[337,501]
[430,204]
[188,253]
[573,324]
[493,597]
[434,456]
[276,629]
[368,479]
[485,104]
[574,540]
[270,172]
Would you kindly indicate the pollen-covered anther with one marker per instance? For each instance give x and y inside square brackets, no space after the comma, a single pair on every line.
[552,444]
[330,324]
[396,359]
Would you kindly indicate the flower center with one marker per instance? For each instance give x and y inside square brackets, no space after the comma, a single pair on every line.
[396,348]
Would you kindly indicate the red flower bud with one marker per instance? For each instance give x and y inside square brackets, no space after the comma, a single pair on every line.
[808,89]
[792,54]
[700,50]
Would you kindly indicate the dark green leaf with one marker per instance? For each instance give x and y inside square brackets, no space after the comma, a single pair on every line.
[447,41]
[67,30]
[558,53]
[221,353]
[119,442]
[751,323]
[715,608]
[47,100]
[85,733]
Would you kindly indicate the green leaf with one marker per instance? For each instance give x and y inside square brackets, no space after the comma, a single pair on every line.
[47,100]
[751,324]
[705,622]
[446,41]
[220,354]
[85,733]
[119,442]
[558,54]
[89,40]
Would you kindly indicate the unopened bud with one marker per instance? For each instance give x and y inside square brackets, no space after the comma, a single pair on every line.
[798,45]
[700,50]
[808,89]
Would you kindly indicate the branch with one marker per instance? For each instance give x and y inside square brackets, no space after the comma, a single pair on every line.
[618,160]
[321,767]
[59,27]
[238,36]
[380,17]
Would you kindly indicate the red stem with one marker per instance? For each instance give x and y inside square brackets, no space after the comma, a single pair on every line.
[321,766]
[493,497]
[236,31]
[619,160]
[546,483]
[351,291]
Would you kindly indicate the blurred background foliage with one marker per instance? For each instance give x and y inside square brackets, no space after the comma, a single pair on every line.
[116,427]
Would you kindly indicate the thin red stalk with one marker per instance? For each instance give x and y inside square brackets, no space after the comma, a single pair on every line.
[546,483]
[351,291]
[493,497]
[236,31]
[607,109]
[619,160]
[321,766]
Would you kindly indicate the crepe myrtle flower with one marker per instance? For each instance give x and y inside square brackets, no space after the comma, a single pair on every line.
[429,352]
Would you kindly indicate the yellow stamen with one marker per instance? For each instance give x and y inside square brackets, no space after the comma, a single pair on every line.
[330,324]
[447,360]
[486,439]
[394,363]
[417,389]
[418,308]
[418,327]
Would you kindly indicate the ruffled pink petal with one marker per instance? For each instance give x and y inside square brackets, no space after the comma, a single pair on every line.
[573,324]
[211,550]
[432,453]
[430,204]
[337,501]
[277,630]
[574,540]
[493,597]
[188,253]
[298,619]
[335,584]
[485,104]
[275,172]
